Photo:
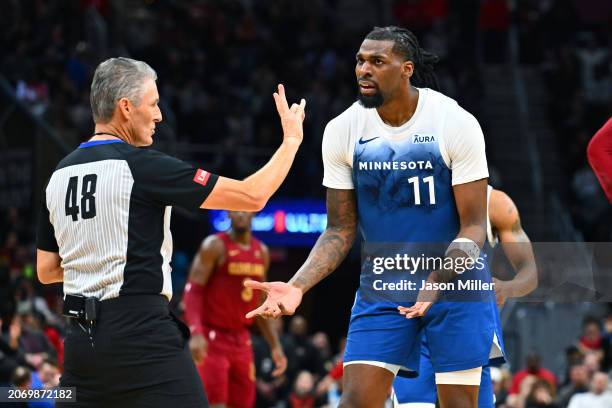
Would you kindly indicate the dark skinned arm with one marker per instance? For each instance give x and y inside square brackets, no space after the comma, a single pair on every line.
[506,221]
[329,251]
[208,257]
[471,202]
[335,242]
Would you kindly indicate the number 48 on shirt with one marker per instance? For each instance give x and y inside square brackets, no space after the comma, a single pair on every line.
[87,200]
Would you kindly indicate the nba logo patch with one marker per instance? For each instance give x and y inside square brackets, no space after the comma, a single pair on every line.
[416,139]
[201,177]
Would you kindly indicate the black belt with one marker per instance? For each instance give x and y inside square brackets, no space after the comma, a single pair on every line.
[87,309]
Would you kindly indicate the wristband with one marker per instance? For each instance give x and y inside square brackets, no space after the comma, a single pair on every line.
[465,245]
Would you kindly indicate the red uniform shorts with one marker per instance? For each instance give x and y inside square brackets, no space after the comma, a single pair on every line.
[228,371]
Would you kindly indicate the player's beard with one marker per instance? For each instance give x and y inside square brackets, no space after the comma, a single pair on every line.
[372,101]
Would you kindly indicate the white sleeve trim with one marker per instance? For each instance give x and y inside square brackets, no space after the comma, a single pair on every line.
[337,154]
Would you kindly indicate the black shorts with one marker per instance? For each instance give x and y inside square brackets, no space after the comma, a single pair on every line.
[139,358]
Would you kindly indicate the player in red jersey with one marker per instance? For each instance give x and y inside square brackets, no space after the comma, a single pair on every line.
[216,303]
[599,153]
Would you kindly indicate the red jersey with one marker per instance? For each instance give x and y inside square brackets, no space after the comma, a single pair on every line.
[225,299]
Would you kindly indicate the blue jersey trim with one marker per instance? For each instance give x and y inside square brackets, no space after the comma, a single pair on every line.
[99,142]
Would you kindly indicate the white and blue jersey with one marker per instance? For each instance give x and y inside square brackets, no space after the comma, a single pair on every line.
[403,179]
[421,391]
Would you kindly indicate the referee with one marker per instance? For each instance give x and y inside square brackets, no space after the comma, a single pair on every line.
[104,231]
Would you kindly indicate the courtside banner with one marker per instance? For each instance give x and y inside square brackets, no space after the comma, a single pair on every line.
[560,272]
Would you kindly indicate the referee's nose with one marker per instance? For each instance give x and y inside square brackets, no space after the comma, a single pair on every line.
[157,117]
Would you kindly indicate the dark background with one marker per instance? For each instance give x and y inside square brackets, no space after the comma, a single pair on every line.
[536,74]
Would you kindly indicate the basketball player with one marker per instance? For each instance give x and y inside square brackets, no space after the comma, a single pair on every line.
[215,306]
[599,153]
[504,225]
[408,164]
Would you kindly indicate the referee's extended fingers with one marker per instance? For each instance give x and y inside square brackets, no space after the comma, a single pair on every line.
[281,100]
[253,284]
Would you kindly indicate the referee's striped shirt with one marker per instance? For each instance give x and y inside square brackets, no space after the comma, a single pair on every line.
[106,211]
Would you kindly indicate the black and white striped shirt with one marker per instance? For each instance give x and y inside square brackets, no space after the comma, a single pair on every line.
[106,211]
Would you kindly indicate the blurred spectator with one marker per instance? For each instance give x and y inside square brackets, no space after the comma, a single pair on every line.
[533,369]
[299,345]
[320,341]
[592,361]
[270,389]
[598,397]
[49,374]
[10,355]
[32,340]
[21,379]
[579,383]
[591,339]
[542,395]
[303,391]
[502,381]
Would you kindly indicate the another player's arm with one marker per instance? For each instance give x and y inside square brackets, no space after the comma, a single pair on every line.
[329,251]
[204,263]
[599,153]
[252,193]
[506,221]
[267,330]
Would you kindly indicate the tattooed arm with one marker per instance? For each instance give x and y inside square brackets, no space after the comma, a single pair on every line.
[331,248]
[335,242]
[506,222]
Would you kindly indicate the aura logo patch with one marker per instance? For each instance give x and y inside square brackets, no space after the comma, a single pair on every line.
[417,139]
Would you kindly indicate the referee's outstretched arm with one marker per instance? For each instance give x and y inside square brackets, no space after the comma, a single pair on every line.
[109,182]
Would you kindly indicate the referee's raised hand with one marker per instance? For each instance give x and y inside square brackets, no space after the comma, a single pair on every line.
[291,118]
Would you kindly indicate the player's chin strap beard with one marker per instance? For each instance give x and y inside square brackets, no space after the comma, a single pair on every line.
[109,134]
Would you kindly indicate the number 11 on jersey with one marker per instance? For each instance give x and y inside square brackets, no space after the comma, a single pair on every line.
[417,189]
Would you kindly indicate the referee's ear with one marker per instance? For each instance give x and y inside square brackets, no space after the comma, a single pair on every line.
[124,106]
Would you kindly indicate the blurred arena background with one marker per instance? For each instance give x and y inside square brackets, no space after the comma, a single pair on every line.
[536,73]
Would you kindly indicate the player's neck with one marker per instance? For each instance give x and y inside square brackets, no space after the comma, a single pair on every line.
[242,238]
[399,110]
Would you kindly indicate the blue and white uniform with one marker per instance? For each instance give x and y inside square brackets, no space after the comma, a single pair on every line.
[403,179]
[421,392]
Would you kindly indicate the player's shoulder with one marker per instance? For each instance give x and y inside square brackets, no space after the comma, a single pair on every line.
[502,210]
[213,242]
[456,116]
[346,118]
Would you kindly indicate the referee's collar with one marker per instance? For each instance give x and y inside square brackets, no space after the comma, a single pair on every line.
[100,142]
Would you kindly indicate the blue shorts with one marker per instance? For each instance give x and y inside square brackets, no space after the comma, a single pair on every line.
[460,335]
[422,389]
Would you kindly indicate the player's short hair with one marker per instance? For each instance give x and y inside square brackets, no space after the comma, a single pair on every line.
[406,45]
[114,79]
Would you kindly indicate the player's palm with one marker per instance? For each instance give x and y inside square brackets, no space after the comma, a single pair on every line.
[281,298]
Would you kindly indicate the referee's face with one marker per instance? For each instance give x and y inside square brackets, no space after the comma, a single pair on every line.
[146,115]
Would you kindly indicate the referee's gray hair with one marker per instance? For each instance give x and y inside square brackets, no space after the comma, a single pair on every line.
[114,79]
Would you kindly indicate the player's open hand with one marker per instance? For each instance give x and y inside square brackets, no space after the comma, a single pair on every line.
[424,301]
[292,117]
[281,299]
